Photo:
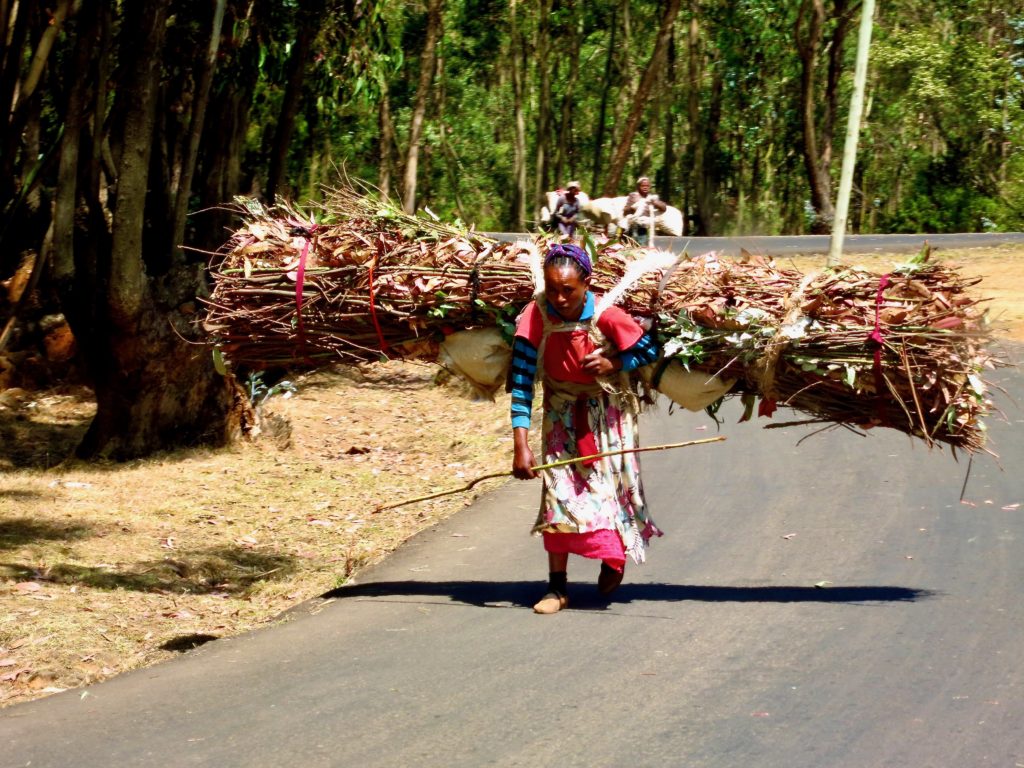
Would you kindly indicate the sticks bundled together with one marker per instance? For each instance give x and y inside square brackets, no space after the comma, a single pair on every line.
[905,350]
[376,283]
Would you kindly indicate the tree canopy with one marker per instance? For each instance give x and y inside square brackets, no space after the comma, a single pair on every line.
[130,125]
[735,108]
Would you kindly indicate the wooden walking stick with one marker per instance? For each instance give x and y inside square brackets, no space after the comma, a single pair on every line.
[552,465]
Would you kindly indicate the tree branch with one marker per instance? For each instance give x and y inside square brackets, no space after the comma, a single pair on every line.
[643,90]
[196,131]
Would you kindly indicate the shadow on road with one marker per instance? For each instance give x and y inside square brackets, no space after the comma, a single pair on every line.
[525,593]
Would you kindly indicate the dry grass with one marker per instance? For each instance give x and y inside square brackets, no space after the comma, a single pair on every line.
[104,568]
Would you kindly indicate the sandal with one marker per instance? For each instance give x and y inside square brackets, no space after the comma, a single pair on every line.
[552,602]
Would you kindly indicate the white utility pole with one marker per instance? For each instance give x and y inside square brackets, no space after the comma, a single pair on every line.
[860,76]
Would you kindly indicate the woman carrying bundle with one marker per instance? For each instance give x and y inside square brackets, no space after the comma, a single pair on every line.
[595,508]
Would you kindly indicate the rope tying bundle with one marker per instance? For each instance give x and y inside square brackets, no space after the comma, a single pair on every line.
[308,233]
[382,342]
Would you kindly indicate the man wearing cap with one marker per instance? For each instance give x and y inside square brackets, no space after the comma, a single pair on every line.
[641,207]
[566,209]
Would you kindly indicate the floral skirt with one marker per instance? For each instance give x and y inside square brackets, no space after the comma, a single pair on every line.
[606,496]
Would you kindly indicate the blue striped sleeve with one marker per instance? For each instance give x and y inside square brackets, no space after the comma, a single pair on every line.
[645,351]
[523,374]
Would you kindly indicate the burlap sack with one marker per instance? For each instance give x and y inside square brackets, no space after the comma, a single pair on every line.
[480,356]
[693,390]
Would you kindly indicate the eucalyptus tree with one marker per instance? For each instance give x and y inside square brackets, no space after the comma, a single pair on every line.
[517,59]
[308,20]
[950,97]
[544,119]
[642,95]
[126,288]
[565,98]
[607,84]
[428,65]
[118,95]
[703,102]
[820,33]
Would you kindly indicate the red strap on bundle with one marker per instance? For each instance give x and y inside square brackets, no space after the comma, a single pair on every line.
[300,280]
[878,339]
[586,443]
[383,344]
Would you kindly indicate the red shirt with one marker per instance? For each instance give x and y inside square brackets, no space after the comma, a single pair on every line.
[564,351]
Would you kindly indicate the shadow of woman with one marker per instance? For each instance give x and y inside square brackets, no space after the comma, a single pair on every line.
[493,594]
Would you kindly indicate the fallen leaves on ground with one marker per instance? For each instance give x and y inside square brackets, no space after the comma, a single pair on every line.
[106,567]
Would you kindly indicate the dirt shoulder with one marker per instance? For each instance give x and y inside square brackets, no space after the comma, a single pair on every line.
[105,568]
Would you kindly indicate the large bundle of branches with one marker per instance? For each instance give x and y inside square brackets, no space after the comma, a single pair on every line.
[906,350]
[374,283]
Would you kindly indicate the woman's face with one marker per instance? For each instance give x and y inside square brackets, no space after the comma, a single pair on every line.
[566,290]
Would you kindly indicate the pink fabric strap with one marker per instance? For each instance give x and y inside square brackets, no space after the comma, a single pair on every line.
[877,336]
[300,281]
[382,342]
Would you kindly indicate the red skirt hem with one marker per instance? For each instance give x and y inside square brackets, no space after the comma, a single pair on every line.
[605,545]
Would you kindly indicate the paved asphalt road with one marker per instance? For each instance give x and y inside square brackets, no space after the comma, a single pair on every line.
[791,245]
[720,652]
[814,244]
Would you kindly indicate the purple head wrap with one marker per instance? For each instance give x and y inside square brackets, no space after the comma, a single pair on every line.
[570,251]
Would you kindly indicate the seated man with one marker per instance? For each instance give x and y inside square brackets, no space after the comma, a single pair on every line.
[566,209]
[641,208]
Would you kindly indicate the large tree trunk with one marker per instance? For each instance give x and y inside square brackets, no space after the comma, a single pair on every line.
[309,26]
[428,63]
[156,391]
[640,98]
[565,165]
[817,147]
[153,389]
